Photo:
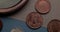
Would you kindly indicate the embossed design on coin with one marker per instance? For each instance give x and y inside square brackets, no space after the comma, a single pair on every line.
[34,20]
[43,6]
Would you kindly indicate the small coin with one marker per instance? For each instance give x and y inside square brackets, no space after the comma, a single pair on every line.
[34,20]
[43,6]
[54,26]
[1,25]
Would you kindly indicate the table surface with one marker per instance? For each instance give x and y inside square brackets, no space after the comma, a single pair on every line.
[53,14]
[30,7]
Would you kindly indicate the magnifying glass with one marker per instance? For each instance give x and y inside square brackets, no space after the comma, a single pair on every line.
[9,7]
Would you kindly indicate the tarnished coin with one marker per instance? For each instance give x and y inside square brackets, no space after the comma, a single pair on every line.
[1,25]
[54,26]
[43,6]
[34,20]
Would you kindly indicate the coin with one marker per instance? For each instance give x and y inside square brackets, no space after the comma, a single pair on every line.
[34,20]
[43,6]
[54,25]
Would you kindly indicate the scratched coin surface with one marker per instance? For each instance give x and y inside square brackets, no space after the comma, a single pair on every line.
[34,20]
[54,26]
[43,6]
[1,25]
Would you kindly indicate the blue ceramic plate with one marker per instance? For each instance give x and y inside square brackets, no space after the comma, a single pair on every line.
[9,24]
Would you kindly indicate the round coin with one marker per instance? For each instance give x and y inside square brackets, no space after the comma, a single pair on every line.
[54,26]
[34,20]
[43,6]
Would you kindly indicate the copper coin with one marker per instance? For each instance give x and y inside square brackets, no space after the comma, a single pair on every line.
[43,6]
[34,20]
[54,26]
[1,25]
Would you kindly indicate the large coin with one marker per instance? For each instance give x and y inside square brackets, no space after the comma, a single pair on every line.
[34,20]
[54,26]
[43,6]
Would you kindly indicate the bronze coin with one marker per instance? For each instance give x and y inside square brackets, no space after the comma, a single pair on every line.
[1,25]
[34,20]
[43,6]
[54,26]
[13,9]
